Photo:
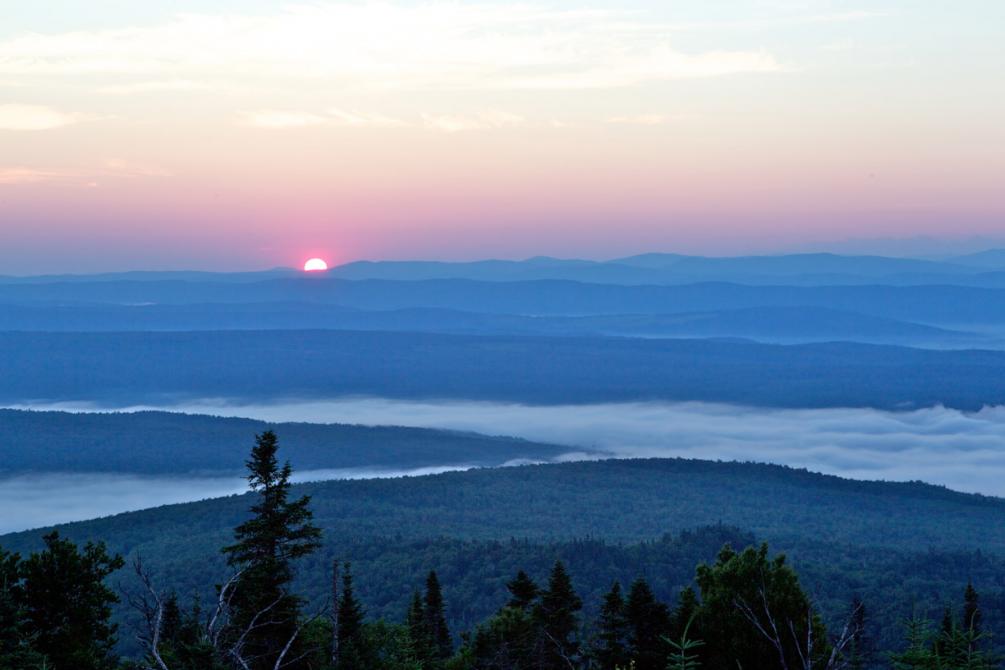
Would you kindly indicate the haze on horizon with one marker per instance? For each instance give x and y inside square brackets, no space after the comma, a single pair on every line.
[241,135]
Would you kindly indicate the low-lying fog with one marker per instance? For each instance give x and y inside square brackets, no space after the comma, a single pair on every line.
[964,451]
[45,499]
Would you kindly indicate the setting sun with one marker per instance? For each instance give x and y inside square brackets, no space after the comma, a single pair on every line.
[315,265]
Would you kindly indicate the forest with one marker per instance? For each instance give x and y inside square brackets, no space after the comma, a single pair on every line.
[714,597]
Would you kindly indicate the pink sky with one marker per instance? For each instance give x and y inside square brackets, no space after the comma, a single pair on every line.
[512,131]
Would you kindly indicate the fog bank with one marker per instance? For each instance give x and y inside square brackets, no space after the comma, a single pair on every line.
[46,499]
[964,451]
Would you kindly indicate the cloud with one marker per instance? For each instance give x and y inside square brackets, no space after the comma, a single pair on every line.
[111,167]
[961,450]
[482,121]
[272,118]
[380,45]
[44,499]
[362,119]
[169,85]
[22,175]
[646,119]
[334,117]
[33,117]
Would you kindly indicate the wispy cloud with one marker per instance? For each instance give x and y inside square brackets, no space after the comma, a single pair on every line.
[273,118]
[486,120]
[33,117]
[108,168]
[382,45]
[23,175]
[647,119]
[158,86]
[448,123]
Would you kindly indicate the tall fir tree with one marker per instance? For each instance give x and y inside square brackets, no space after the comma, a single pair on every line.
[350,634]
[860,648]
[523,591]
[971,609]
[67,607]
[609,647]
[16,649]
[279,532]
[436,619]
[648,627]
[557,616]
[418,632]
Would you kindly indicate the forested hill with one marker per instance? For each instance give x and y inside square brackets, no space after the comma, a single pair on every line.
[172,443]
[475,528]
[614,499]
[149,367]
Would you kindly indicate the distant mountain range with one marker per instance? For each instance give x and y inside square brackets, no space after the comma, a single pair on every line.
[651,268]
[143,367]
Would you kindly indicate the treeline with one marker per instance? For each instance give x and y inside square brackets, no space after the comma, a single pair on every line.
[746,609]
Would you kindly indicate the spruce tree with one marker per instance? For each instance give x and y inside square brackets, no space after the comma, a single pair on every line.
[351,641]
[67,608]
[609,649]
[648,625]
[418,632]
[860,649]
[971,610]
[279,532]
[523,591]
[436,619]
[16,649]
[558,620]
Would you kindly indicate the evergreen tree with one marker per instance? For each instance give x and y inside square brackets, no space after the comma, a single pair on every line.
[523,591]
[436,619]
[683,650]
[648,626]
[918,655]
[66,605]
[279,532]
[860,650]
[971,610]
[685,615]
[16,649]
[609,649]
[558,621]
[351,641]
[418,632]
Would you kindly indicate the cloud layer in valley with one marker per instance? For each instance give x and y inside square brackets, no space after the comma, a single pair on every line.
[963,451]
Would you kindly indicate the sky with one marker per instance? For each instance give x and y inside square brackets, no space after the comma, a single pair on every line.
[226,134]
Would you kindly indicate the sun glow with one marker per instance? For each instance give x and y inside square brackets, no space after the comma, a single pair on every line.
[315,265]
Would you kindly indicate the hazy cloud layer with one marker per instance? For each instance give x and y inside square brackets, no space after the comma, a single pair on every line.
[384,46]
[964,451]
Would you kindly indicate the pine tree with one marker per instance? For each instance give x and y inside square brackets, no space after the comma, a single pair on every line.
[609,649]
[67,607]
[860,648]
[558,621]
[16,649]
[971,609]
[352,645]
[523,591]
[683,650]
[648,625]
[279,532]
[918,655]
[436,619]
[418,632]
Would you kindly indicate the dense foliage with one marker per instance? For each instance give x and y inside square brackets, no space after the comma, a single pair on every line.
[166,443]
[741,609]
